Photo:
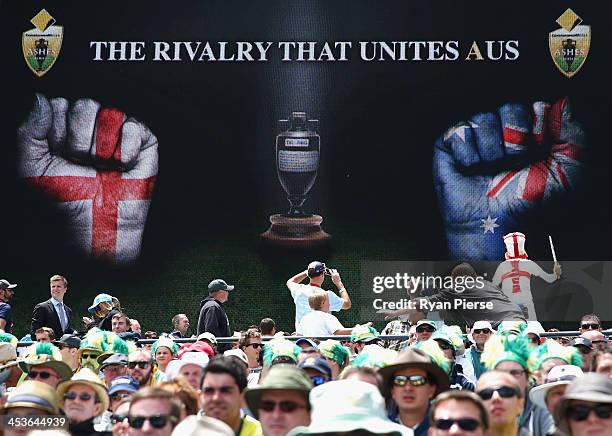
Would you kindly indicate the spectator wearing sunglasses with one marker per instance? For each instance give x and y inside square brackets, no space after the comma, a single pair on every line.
[114,366]
[317,369]
[458,413]
[412,381]
[140,367]
[280,403]
[586,407]
[481,332]
[501,394]
[456,377]
[44,364]
[585,346]
[83,398]
[221,396]
[119,417]
[589,322]
[252,344]
[424,329]
[121,388]
[509,353]
[153,411]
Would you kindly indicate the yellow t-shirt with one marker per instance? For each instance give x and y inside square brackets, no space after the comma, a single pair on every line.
[250,427]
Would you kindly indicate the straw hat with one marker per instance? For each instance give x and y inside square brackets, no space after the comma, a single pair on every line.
[85,377]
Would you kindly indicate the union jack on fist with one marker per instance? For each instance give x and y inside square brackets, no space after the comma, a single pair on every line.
[99,165]
[479,205]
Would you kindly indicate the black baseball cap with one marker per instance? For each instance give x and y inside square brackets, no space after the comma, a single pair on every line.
[581,341]
[70,340]
[219,285]
[316,268]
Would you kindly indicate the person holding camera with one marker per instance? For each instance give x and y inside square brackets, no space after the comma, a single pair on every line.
[300,292]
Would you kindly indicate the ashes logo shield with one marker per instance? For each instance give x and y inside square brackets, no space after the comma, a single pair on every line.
[41,45]
[569,45]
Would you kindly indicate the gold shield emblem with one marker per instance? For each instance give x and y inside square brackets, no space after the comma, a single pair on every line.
[41,45]
[569,45]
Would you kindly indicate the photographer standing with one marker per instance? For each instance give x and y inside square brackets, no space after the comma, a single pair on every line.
[300,292]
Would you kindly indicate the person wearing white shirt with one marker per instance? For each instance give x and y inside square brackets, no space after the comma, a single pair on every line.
[300,292]
[319,322]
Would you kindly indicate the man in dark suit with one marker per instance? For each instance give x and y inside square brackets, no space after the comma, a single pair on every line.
[53,313]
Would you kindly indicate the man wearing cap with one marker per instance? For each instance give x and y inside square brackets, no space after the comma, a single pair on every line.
[457,379]
[30,398]
[6,294]
[44,364]
[548,394]
[280,403]
[53,313]
[113,366]
[481,332]
[586,407]
[120,389]
[222,394]
[412,381]
[317,369]
[363,335]
[424,329]
[83,398]
[69,346]
[210,339]
[316,275]
[190,365]
[212,317]
[586,351]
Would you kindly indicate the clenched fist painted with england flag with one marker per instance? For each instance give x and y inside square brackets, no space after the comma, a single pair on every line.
[99,165]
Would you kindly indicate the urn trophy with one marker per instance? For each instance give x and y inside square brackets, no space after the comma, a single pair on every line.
[298,148]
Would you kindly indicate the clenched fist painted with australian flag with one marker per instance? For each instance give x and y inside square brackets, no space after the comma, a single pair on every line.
[494,170]
[99,165]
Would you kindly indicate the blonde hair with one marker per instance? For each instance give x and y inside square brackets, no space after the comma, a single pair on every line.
[58,278]
[317,300]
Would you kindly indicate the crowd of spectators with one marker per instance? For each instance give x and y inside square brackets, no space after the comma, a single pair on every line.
[489,378]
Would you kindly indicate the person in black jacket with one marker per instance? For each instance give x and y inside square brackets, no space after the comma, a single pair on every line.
[53,313]
[213,318]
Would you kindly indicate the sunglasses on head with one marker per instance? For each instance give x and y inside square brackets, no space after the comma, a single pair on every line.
[43,374]
[580,412]
[317,379]
[414,380]
[89,356]
[117,418]
[467,424]
[156,421]
[502,391]
[141,365]
[589,326]
[284,406]
[256,345]
[480,331]
[423,329]
[83,396]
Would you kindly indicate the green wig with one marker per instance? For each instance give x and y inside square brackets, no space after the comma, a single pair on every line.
[334,350]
